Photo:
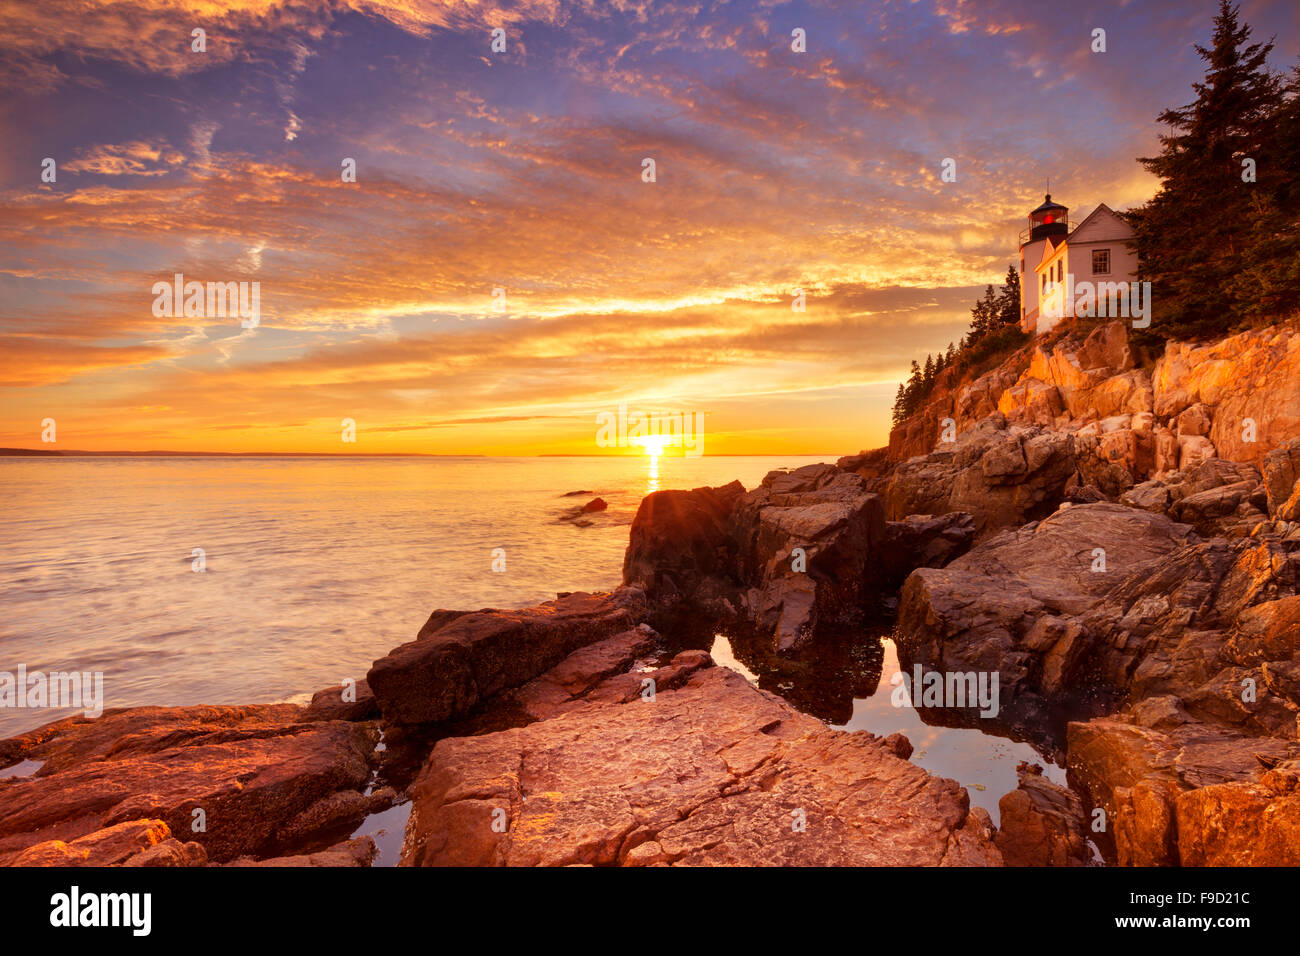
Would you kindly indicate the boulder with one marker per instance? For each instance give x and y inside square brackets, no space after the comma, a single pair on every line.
[341,810]
[111,846]
[1252,823]
[351,853]
[1015,604]
[170,852]
[679,539]
[924,541]
[1042,824]
[1194,449]
[564,686]
[1002,474]
[921,486]
[795,555]
[249,769]
[1216,497]
[1194,420]
[1189,794]
[1281,474]
[471,657]
[807,549]
[714,772]
[344,702]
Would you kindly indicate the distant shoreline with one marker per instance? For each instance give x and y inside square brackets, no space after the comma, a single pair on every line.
[39,453]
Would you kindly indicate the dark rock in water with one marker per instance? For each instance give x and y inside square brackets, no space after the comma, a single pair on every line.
[808,545]
[1042,824]
[899,746]
[574,494]
[445,674]
[332,703]
[924,541]
[340,811]
[679,539]
[798,553]
[578,516]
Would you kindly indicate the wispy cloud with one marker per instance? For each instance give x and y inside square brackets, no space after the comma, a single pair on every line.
[521,171]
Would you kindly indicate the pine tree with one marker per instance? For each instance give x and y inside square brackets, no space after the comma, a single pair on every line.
[984,316]
[1192,234]
[912,393]
[1268,283]
[1009,300]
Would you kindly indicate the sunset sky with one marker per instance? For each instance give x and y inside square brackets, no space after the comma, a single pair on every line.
[523,170]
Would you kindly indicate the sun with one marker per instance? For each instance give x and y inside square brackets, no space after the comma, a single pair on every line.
[654,445]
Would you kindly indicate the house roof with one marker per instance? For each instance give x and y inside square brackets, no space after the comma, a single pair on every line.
[1050,247]
[1101,210]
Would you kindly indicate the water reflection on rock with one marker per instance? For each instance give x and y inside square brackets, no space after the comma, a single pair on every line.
[847,680]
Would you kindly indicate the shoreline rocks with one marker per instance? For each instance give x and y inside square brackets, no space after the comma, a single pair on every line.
[227,778]
[715,772]
[462,659]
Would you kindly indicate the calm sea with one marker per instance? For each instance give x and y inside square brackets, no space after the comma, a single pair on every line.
[315,567]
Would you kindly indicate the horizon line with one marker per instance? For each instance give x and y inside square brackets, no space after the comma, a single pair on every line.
[78,453]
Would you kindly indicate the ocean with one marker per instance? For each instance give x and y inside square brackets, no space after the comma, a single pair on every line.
[313,567]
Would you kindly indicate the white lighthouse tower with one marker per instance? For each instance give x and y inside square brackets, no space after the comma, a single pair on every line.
[1049,224]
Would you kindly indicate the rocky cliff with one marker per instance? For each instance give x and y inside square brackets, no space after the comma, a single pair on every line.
[1116,537]
[1136,582]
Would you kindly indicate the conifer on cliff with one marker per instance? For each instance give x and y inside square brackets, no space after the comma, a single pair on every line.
[1209,219]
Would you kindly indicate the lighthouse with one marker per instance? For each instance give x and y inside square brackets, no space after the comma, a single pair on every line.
[1049,224]
[1056,255]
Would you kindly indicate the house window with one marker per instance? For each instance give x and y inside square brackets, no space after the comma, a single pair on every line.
[1101,262]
